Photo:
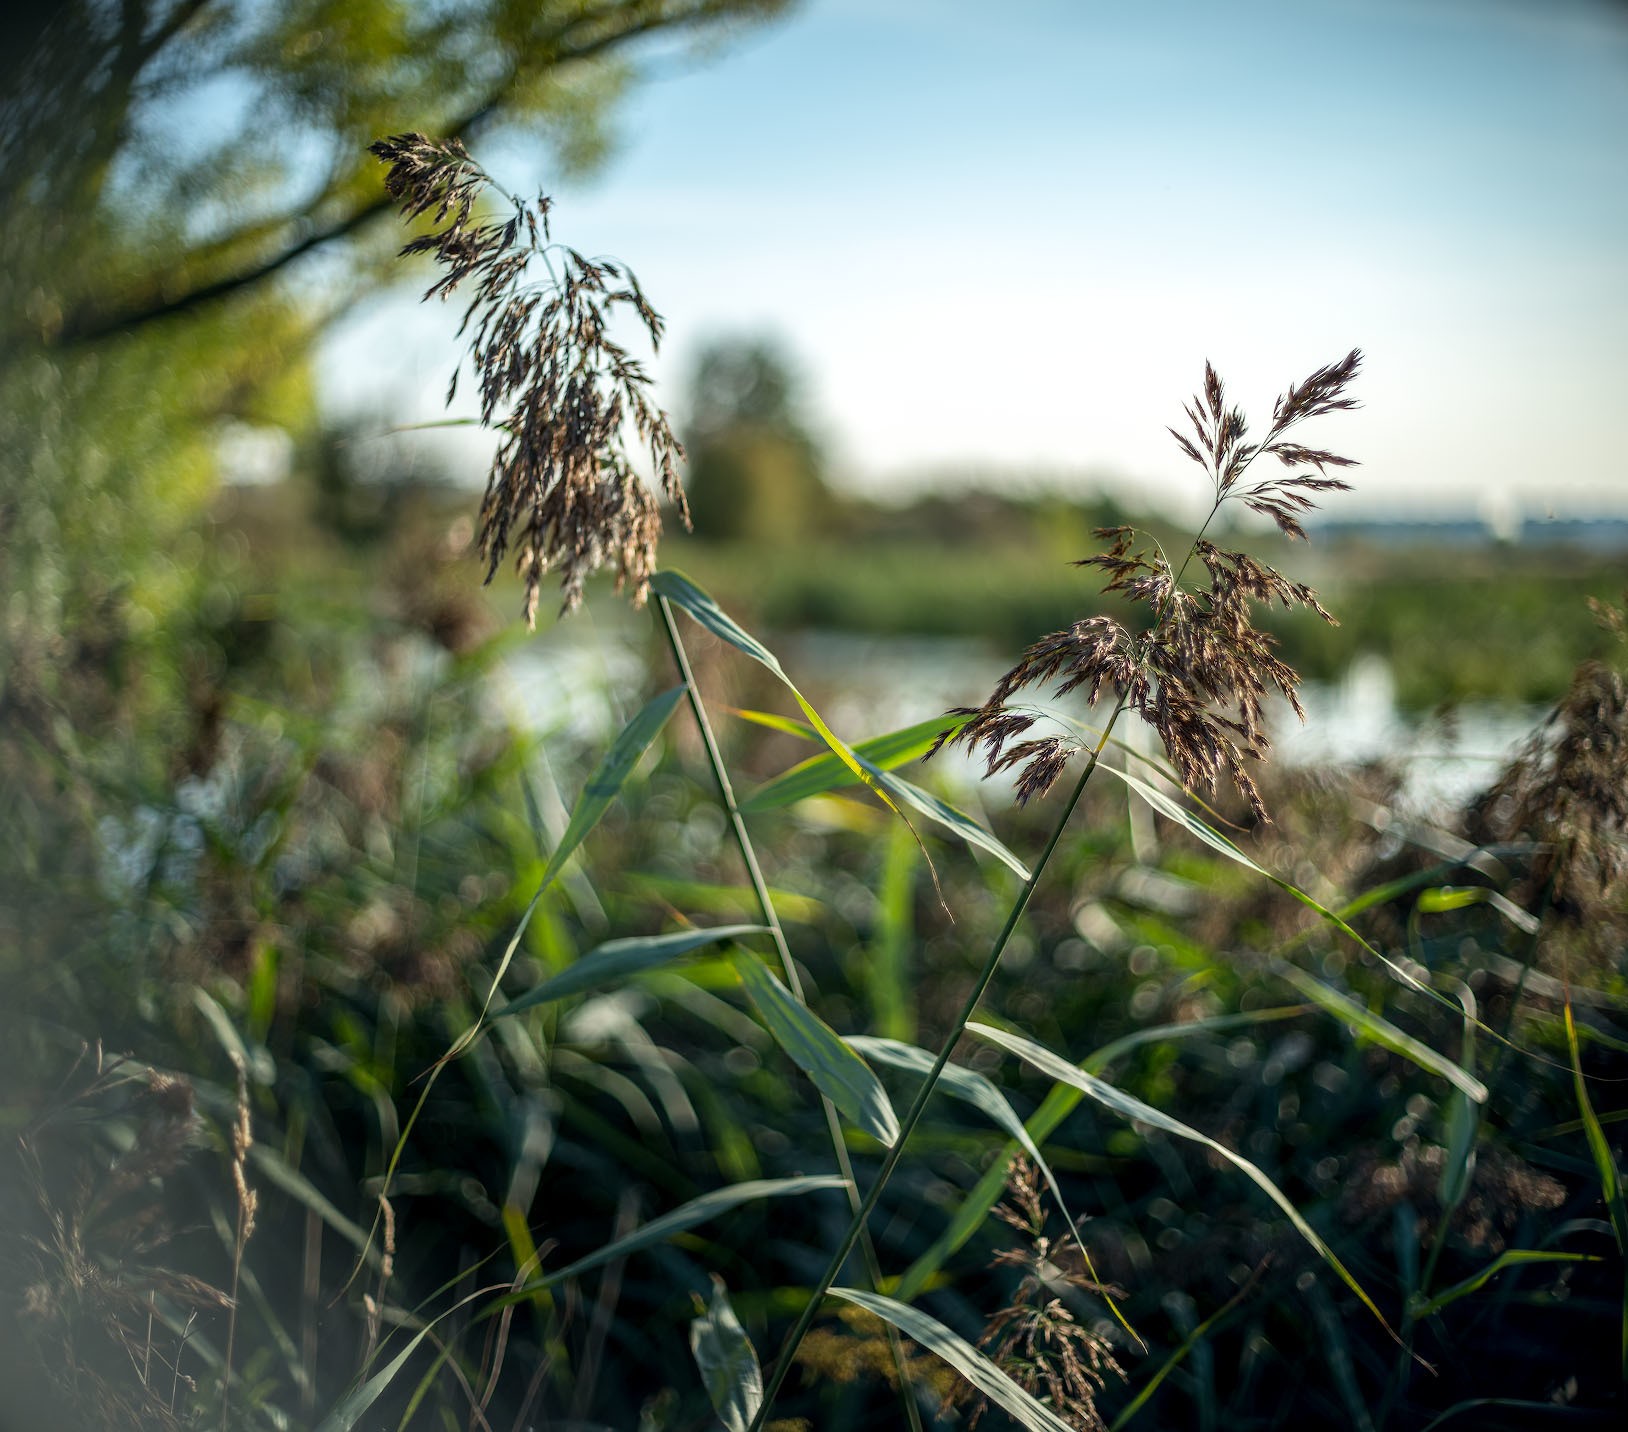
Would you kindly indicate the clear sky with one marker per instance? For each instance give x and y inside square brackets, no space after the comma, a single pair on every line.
[1007,237]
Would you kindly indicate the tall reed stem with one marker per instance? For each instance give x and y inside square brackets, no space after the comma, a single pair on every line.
[992,961]
[760,888]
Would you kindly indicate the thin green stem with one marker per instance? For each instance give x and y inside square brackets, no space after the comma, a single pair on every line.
[913,1116]
[856,1227]
[760,888]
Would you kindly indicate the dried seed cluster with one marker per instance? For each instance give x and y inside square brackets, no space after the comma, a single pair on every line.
[562,494]
[1035,1339]
[1199,669]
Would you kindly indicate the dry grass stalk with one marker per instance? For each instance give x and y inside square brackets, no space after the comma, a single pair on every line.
[1199,669]
[562,494]
[1035,1339]
[248,1203]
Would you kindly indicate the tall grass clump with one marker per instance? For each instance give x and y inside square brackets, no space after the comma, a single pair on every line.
[491,1078]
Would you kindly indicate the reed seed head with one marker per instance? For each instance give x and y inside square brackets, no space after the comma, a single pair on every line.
[1197,668]
[562,495]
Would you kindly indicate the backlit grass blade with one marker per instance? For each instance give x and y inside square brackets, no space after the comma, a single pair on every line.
[1382,1031]
[681,1219]
[728,1362]
[973,1088]
[905,793]
[962,1356]
[617,959]
[1129,1107]
[1213,838]
[826,772]
[602,788]
[1054,1108]
[1509,1258]
[1606,1165]
[679,590]
[815,1048]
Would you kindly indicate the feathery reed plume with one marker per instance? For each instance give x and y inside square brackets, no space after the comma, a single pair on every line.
[1199,668]
[562,491]
[1035,1339]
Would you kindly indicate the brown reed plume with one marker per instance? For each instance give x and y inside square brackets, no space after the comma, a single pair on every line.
[1199,669]
[1035,1339]
[562,492]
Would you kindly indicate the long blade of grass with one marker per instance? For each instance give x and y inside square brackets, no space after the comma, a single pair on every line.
[350,1410]
[962,1356]
[906,793]
[1129,1107]
[1606,1165]
[1213,838]
[1054,1108]
[602,788]
[1381,1031]
[617,959]
[973,1088]
[728,1362]
[1509,1258]
[822,773]
[686,1216]
[815,1048]
[680,591]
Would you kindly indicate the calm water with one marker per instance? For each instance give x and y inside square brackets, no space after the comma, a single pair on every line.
[581,682]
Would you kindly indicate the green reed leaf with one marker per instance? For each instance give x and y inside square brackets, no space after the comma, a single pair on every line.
[905,793]
[1605,1164]
[1509,1258]
[728,1362]
[973,1088]
[826,772]
[616,959]
[1216,841]
[686,1216]
[1054,1108]
[676,588]
[815,1048]
[350,1410]
[979,1370]
[1381,1031]
[1129,1107]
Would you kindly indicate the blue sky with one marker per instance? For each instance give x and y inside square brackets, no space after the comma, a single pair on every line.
[1007,238]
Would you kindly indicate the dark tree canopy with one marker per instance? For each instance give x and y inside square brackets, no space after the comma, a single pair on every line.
[188,202]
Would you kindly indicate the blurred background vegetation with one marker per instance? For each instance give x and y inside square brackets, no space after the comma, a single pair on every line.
[271,790]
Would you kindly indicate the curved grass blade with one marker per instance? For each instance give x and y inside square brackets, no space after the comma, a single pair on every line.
[962,1356]
[728,1363]
[682,1218]
[349,1412]
[826,772]
[905,793]
[1173,810]
[676,588]
[1606,1164]
[1128,1107]
[1382,1031]
[602,788]
[616,959]
[820,1052]
[1455,897]
[1054,1108]
[1509,1258]
[973,1088]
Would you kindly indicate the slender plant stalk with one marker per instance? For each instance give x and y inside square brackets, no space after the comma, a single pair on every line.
[991,963]
[760,888]
[913,1116]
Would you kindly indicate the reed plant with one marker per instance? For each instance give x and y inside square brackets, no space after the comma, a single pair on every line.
[1336,1086]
